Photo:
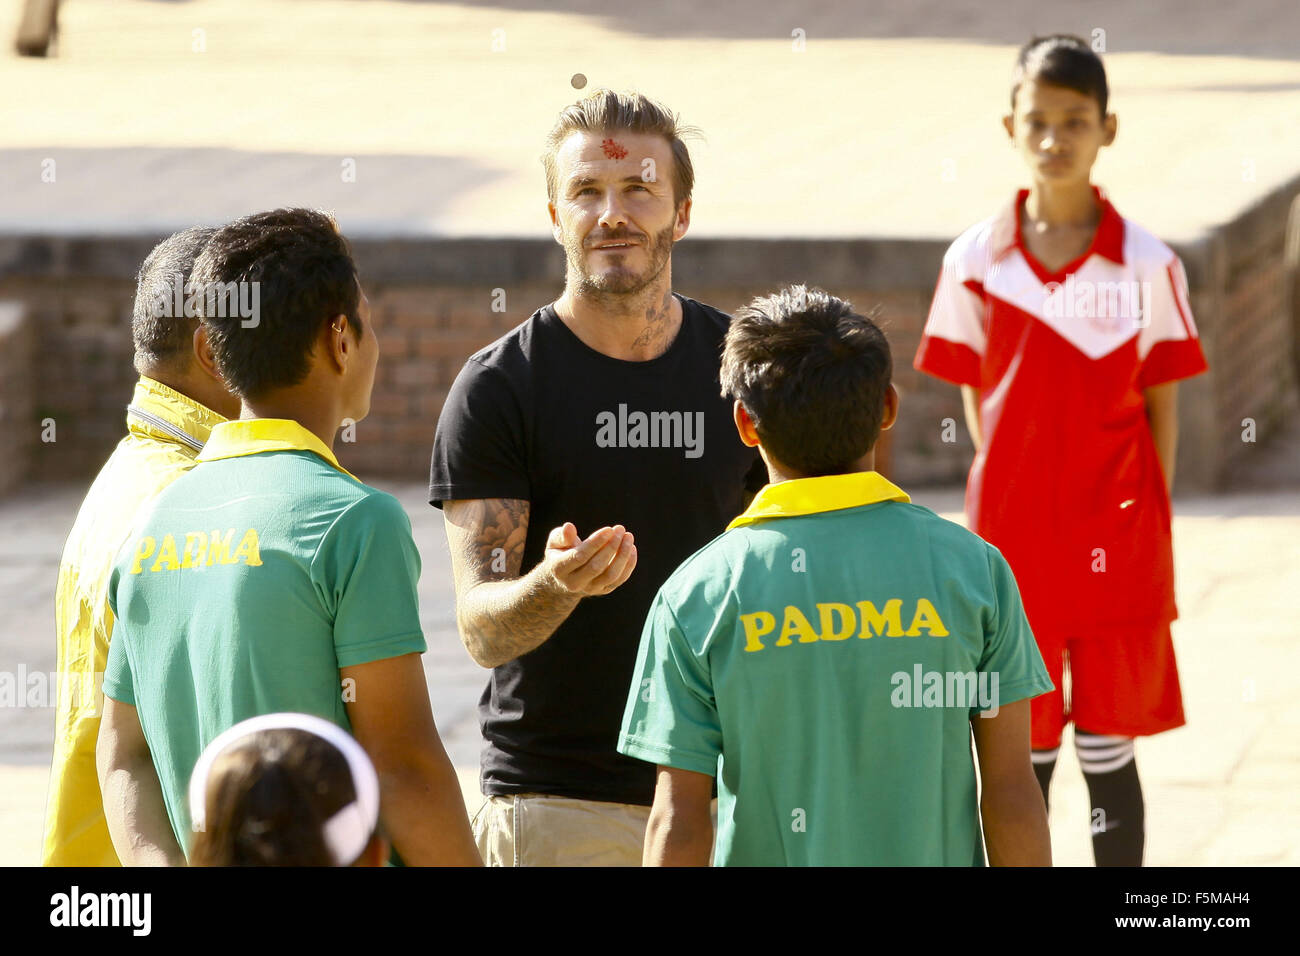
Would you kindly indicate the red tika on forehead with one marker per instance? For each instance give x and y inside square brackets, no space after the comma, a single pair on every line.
[613,149]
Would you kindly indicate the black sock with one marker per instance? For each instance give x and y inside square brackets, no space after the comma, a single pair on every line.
[1044,762]
[1117,818]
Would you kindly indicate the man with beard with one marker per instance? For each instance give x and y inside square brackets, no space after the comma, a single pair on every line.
[578,460]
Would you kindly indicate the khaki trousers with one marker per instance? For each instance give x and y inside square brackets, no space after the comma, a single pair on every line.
[533,829]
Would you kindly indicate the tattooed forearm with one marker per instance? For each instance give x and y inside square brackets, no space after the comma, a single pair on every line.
[501,614]
[504,620]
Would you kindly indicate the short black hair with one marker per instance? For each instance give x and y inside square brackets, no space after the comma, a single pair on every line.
[163,335]
[812,374]
[1062,60]
[300,268]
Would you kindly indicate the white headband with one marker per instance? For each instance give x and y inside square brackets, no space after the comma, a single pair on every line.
[348,831]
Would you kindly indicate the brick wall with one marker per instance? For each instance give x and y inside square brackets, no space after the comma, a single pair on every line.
[425,334]
[17,389]
[80,368]
[433,304]
[1254,372]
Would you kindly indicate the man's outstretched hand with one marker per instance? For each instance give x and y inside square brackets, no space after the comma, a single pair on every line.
[590,567]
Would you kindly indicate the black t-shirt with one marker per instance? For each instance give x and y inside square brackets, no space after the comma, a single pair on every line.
[583,437]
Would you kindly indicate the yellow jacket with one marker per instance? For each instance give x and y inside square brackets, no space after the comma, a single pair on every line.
[165,431]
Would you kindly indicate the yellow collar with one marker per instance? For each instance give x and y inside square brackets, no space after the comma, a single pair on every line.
[252,436]
[806,496]
[159,412]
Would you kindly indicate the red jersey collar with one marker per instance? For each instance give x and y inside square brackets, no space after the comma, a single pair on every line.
[1108,240]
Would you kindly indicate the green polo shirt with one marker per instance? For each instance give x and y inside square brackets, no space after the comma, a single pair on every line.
[823,659]
[248,584]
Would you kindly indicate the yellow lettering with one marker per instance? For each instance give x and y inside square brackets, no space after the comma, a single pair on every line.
[248,548]
[219,548]
[167,555]
[795,623]
[192,558]
[926,617]
[889,623]
[756,625]
[142,551]
[848,623]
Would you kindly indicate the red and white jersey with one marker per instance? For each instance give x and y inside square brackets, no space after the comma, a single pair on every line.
[1068,485]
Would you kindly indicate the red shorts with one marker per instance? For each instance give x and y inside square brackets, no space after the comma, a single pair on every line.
[1123,681]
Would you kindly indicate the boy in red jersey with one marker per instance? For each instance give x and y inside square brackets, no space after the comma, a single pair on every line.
[1068,327]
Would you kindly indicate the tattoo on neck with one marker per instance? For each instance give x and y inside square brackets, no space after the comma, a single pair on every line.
[656,324]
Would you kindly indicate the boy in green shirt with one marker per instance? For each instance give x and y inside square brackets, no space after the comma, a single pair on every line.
[268,579]
[827,658]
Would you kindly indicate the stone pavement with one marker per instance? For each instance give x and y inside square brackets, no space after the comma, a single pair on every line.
[1220,791]
[847,119]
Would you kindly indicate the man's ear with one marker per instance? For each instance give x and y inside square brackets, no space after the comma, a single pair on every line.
[215,393]
[683,220]
[744,425]
[891,408]
[1009,124]
[203,356]
[557,233]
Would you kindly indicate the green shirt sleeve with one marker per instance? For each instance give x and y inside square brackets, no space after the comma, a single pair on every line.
[118,683]
[366,571]
[1010,651]
[671,717]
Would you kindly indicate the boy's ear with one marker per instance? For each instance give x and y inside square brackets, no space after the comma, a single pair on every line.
[744,425]
[1009,124]
[891,408]
[339,343]
[1111,125]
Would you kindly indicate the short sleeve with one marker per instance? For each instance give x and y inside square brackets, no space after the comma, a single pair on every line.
[478,449]
[671,717]
[118,682]
[1168,345]
[1010,651]
[953,341]
[366,572]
